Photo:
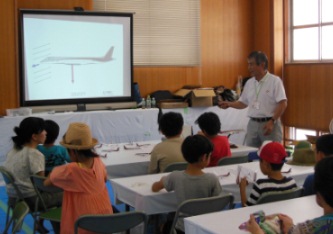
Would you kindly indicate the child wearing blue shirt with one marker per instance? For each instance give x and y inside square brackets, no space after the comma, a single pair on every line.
[55,155]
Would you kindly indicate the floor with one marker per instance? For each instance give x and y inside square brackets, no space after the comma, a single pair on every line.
[27,227]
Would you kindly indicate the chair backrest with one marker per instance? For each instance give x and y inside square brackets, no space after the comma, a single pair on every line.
[202,206]
[38,182]
[279,196]
[111,223]
[10,180]
[177,166]
[233,160]
[20,211]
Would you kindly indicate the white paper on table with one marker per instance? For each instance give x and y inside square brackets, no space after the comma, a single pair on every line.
[243,172]
[106,148]
[110,148]
[221,173]
[131,146]
[145,149]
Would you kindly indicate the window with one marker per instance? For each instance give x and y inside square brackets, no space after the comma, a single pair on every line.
[311,30]
[301,134]
[166,32]
[292,135]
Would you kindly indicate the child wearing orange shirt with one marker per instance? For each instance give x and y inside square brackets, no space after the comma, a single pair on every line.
[83,180]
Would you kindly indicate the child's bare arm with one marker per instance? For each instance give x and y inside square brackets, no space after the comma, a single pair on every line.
[47,181]
[157,186]
[242,188]
[41,173]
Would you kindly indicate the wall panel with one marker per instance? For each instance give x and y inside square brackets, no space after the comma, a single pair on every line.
[268,32]
[263,21]
[310,98]
[8,89]
[226,40]
[54,4]
[151,79]
[278,36]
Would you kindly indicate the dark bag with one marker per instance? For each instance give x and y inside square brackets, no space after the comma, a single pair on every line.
[162,95]
[228,95]
[224,94]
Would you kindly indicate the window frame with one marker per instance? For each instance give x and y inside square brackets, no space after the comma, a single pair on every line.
[290,35]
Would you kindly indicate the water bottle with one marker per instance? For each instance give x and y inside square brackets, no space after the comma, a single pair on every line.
[239,86]
[153,102]
[143,103]
[148,102]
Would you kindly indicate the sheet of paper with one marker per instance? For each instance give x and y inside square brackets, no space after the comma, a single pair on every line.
[247,173]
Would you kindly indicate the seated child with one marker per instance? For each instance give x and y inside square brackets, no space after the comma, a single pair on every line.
[55,155]
[23,161]
[83,180]
[210,126]
[323,183]
[169,150]
[272,156]
[324,148]
[193,182]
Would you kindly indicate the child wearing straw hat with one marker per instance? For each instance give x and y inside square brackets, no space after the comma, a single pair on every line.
[83,180]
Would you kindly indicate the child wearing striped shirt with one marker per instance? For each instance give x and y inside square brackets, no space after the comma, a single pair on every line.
[272,157]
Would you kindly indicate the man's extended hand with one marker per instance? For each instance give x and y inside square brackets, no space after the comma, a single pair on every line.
[223,104]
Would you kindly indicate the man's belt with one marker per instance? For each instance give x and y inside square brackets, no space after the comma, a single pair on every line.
[260,120]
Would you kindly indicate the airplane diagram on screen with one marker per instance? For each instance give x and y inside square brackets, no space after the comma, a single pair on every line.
[76,61]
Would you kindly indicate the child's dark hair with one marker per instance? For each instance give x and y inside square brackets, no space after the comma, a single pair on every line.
[210,123]
[52,129]
[195,146]
[171,124]
[88,153]
[323,179]
[28,127]
[274,166]
[324,144]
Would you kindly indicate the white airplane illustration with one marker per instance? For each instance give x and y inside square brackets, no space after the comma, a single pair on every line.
[74,61]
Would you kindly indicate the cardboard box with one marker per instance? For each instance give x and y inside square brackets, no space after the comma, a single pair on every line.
[171,104]
[198,97]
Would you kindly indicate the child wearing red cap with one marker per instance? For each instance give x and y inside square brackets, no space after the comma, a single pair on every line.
[272,157]
[323,185]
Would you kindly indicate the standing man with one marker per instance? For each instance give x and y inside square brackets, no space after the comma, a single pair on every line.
[265,96]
